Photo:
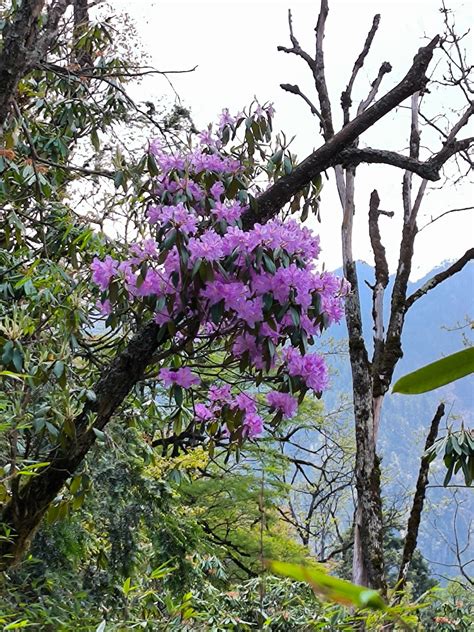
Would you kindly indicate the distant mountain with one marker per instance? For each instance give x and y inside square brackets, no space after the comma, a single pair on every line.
[435,326]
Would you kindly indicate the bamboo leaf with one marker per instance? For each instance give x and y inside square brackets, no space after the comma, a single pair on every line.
[332,588]
[437,374]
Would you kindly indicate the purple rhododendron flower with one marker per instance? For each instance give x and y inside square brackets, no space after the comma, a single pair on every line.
[202,412]
[265,277]
[225,119]
[311,368]
[244,402]
[104,307]
[230,212]
[182,377]
[147,249]
[253,425]
[219,393]
[161,318]
[104,271]
[208,247]
[270,110]
[153,284]
[206,138]
[217,190]
[283,402]
[177,215]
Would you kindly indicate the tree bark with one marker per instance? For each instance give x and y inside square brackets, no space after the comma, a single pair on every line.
[368,566]
[25,510]
[418,502]
[19,39]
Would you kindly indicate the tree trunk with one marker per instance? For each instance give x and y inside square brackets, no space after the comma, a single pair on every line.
[414,520]
[368,566]
[24,512]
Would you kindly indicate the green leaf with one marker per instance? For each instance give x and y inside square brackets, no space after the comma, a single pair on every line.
[118,179]
[14,376]
[269,264]
[58,368]
[127,586]
[437,374]
[162,571]
[17,359]
[332,588]
[95,139]
[15,625]
[152,166]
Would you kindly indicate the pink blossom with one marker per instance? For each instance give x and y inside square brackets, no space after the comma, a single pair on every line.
[253,425]
[103,271]
[104,307]
[221,393]
[202,412]
[182,377]
[283,402]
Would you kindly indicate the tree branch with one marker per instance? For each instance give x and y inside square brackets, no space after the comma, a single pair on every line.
[273,199]
[452,210]
[381,278]
[319,73]
[353,156]
[294,89]
[440,277]
[346,96]
[417,505]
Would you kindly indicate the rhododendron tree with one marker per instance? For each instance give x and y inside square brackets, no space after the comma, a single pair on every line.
[254,297]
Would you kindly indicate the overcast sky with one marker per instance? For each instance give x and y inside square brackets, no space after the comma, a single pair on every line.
[234,46]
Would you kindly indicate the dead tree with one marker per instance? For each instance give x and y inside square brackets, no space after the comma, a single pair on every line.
[26,47]
[372,377]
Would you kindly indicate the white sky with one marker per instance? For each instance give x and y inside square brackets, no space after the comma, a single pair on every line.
[234,45]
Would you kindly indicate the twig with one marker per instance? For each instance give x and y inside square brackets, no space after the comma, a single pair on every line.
[346,96]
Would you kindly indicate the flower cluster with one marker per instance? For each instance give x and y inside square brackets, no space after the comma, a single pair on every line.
[258,292]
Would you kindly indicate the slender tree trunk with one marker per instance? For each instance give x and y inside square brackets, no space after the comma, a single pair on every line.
[368,566]
[414,520]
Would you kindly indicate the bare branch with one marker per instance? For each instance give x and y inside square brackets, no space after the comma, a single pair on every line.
[294,89]
[354,156]
[317,68]
[381,277]
[418,502]
[440,277]
[346,96]
[453,210]
[272,200]
[319,73]
[384,69]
